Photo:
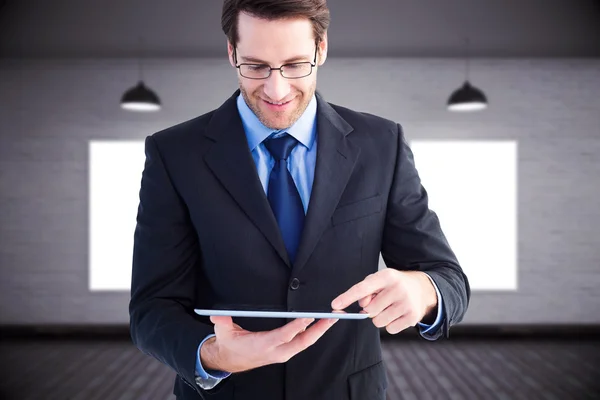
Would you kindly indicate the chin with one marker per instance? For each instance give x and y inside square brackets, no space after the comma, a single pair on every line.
[278,123]
[275,121]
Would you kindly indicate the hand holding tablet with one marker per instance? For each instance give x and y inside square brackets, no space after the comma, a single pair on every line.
[234,349]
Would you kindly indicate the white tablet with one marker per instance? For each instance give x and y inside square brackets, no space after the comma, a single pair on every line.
[282,314]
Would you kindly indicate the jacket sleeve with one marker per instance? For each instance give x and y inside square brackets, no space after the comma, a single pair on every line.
[413,239]
[165,273]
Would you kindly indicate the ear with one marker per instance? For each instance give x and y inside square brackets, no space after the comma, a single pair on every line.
[323,46]
[230,53]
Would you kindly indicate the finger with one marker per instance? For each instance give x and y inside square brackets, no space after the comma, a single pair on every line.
[370,285]
[389,315]
[384,299]
[287,332]
[225,325]
[399,324]
[224,322]
[365,301]
[305,339]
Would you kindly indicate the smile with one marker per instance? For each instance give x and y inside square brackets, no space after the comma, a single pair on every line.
[277,106]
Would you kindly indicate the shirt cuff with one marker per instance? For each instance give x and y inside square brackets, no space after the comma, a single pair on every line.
[211,377]
[430,329]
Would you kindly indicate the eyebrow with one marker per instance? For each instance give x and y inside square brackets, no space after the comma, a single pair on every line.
[289,60]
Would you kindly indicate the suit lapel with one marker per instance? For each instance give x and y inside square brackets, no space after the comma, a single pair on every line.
[231,162]
[336,157]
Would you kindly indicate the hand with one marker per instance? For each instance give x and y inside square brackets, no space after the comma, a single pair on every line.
[394,299]
[234,349]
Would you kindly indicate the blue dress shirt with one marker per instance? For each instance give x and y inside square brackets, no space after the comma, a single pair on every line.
[301,165]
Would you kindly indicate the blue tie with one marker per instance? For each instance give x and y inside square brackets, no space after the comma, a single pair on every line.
[283,195]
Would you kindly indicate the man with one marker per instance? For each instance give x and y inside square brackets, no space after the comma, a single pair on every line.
[278,199]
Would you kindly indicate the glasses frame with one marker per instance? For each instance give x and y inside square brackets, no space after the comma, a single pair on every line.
[312,65]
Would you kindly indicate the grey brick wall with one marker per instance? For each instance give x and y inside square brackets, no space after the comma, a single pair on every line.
[49,110]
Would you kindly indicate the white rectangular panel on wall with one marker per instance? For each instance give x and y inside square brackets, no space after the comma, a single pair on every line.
[115,169]
[472,187]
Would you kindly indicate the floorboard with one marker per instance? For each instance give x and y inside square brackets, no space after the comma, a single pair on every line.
[461,369]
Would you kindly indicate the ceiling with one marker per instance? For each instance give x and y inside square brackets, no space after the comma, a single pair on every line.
[359,28]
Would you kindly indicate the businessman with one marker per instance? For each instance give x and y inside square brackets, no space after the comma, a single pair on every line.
[278,199]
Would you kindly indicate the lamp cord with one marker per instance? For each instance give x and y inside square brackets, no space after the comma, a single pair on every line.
[140,68]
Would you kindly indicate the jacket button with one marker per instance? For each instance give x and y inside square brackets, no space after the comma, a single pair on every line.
[295,284]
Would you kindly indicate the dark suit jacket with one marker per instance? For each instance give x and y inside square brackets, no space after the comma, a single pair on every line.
[206,237]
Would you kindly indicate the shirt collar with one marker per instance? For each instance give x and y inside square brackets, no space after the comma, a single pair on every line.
[303,130]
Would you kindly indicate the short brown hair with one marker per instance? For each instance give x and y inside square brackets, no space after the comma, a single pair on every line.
[314,10]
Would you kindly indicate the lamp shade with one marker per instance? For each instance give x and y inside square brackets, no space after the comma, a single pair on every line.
[140,98]
[467,98]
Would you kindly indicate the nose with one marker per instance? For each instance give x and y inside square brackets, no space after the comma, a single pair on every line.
[276,86]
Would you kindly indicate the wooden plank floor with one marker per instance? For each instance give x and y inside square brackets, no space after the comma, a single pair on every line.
[460,369]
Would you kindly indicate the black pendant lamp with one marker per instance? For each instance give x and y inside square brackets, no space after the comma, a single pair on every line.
[467,97]
[140,98]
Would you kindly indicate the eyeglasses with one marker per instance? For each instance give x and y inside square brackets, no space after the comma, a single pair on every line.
[288,71]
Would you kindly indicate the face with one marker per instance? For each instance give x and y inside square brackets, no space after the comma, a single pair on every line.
[276,43]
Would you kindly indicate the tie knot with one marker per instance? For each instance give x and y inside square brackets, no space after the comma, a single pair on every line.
[281,147]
